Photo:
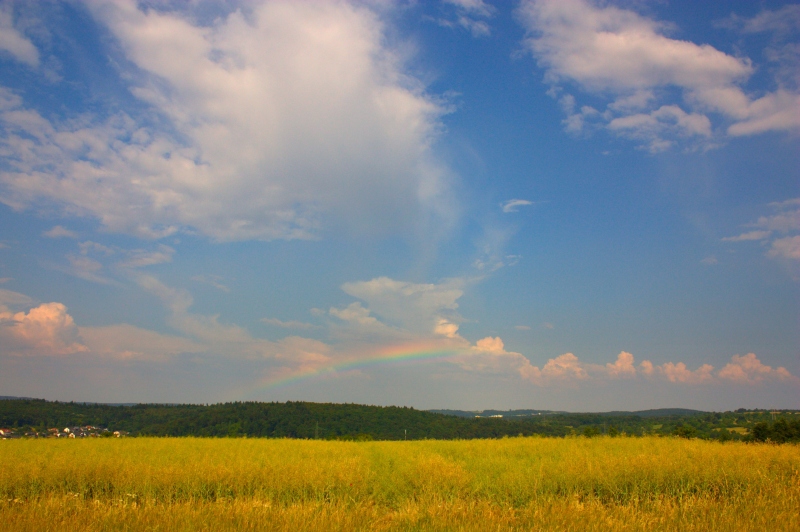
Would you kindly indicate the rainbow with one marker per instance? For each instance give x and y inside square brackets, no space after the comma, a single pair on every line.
[400,353]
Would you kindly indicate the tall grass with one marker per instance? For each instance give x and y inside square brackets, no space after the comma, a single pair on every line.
[529,483]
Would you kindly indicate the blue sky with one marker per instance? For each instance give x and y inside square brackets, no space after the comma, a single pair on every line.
[568,205]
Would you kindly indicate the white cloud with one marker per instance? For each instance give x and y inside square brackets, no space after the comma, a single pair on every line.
[282,121]
[489,357]
[60,232]
[291,324]
[13,301]
[140,258]
[749,235]
[513,205]
[211,280]
[680,373]
[749,369]
[657,126]
[564,366]
[44,330]
[470,15]
[623,366]
[788,247]
[354,313]
[126,341]
[13,41]
[785,221]
[446,328]
[617,54]
[86,268]
[784,20]
[416,307]
[522,327]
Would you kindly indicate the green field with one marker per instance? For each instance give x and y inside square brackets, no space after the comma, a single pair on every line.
[648,483]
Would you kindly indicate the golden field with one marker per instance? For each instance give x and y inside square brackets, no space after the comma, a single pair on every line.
[510,484]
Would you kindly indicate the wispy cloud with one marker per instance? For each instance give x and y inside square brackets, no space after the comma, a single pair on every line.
[780,229]
[60,232]
[13,41]
[471,15]
[211,280]
[513,205]
[291,324]
[749,235]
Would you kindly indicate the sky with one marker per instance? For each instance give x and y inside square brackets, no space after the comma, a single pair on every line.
[580,205]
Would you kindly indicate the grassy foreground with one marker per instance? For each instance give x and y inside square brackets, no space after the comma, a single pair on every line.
[509,484]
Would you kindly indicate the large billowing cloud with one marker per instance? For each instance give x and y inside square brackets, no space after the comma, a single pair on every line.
[749,369]
[617,54]
[279,122]
[44,330]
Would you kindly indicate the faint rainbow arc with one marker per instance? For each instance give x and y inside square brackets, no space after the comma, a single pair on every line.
[400,353]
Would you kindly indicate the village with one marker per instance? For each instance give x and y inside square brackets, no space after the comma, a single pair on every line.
[87,431]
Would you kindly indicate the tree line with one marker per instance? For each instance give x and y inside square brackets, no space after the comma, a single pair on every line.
[362,422]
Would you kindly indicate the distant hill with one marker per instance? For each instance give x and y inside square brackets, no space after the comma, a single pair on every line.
[658,412]
[495,413]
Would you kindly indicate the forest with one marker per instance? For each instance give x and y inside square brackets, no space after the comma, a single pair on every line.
[329,421]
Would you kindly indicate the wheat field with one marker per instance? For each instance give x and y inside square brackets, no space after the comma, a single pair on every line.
[578,483]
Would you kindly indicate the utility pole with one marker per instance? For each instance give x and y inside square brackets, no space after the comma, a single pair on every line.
[405,434]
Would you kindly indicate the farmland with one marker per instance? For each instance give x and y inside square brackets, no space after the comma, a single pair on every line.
[575,483]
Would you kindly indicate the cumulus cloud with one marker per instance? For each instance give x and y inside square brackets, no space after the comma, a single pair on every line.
[616,53]
[680,373]
[44,330]
[749,369]
[282,121]
[623,366]
[13,41]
